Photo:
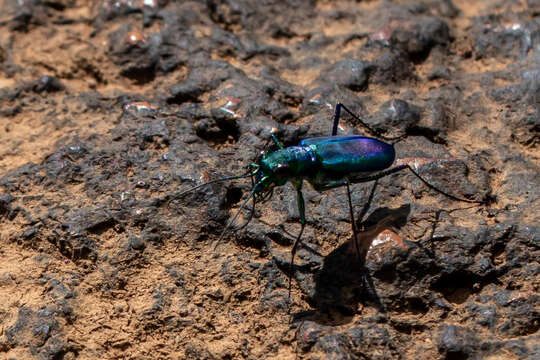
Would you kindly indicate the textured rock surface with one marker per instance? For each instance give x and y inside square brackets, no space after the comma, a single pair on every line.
[109,109]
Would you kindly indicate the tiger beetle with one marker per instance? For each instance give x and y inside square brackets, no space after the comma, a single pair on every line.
[326,162]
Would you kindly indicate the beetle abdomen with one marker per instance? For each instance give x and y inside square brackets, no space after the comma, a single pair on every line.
[350,154]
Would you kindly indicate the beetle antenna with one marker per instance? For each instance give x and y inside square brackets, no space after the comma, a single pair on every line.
[251,214]
[179,195]
[235,216]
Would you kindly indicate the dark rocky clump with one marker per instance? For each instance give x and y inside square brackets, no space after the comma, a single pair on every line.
[110,111]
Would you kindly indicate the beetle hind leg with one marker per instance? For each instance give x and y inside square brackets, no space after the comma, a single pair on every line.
[353,222]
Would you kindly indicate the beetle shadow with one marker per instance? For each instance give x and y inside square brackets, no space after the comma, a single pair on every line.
[343,283]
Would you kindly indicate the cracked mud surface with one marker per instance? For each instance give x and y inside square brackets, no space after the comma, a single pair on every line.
[110,109]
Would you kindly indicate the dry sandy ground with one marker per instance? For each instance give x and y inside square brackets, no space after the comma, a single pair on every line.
[85,275]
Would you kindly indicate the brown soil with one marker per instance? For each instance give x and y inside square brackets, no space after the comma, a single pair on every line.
[206,317]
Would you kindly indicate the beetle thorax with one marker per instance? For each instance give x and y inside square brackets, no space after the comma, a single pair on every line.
[289,163]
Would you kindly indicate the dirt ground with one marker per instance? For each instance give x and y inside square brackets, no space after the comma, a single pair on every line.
[110,109]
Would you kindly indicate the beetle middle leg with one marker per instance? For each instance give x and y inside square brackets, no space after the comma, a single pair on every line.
[320,185]
[302,211]
[337,114]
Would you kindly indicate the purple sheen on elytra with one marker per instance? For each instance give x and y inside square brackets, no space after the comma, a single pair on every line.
[350,154]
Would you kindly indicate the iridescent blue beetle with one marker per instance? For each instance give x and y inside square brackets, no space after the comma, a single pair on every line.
[326,163]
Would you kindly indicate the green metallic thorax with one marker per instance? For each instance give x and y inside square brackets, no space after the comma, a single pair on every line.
[295,162]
